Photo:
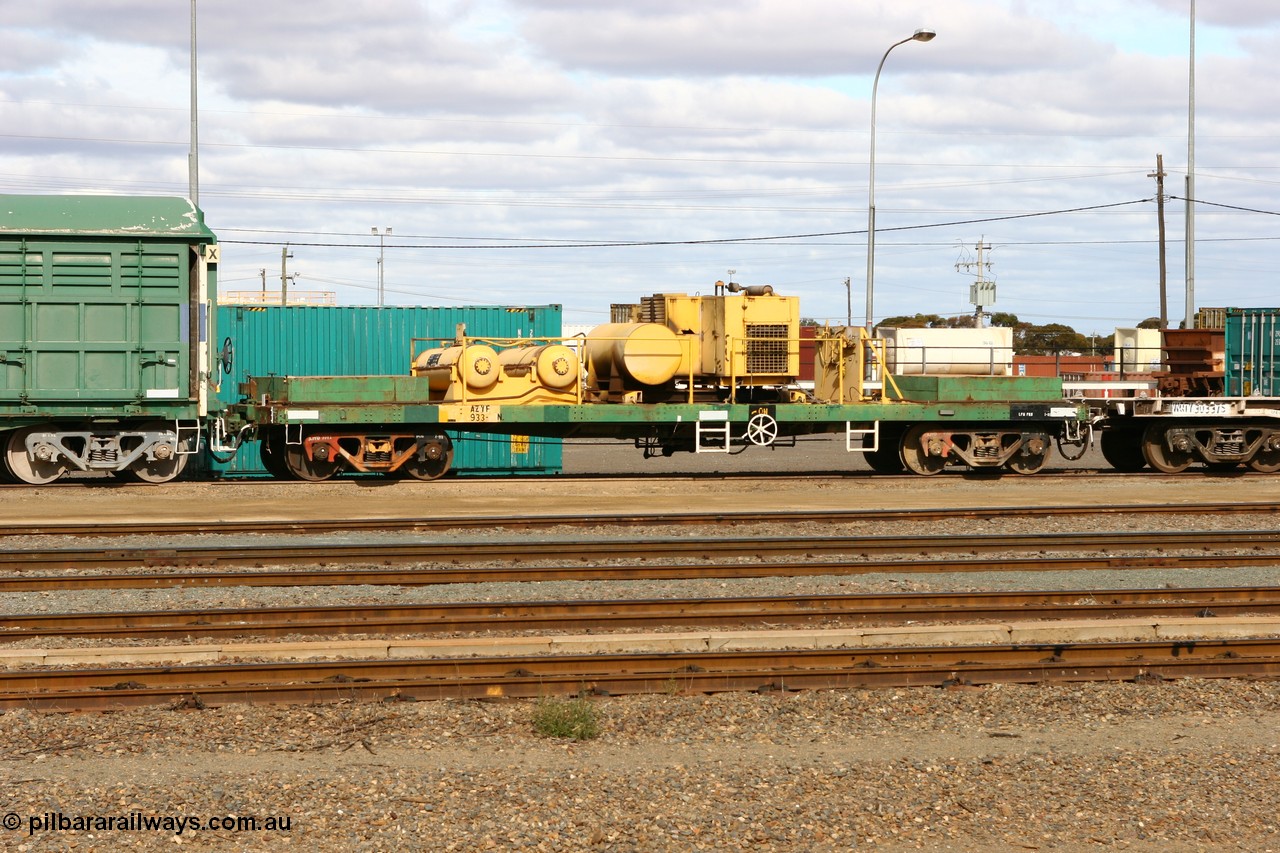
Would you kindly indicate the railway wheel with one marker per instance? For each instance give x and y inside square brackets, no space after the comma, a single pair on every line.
[1267,459]
[922,455]
[1122,448]
[272,456]
[1162,457]
[887,459]
[314,469]
[1031,456]
[432,461]
[155,470]
[23,468]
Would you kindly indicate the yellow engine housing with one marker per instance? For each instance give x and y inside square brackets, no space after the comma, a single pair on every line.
[729,339]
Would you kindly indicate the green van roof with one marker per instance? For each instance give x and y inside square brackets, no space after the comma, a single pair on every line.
[102,215]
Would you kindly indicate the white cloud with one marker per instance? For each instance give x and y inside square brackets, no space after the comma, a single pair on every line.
[499,121]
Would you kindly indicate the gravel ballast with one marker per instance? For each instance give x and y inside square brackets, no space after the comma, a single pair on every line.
[1174,765]
[1191,765]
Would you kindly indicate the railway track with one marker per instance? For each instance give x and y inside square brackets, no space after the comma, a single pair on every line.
[523,522]
[646,571]
[613,674]
[855,609]
[520,551]
[303,563]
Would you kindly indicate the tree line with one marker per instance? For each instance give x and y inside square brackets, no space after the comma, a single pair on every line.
[1028,338]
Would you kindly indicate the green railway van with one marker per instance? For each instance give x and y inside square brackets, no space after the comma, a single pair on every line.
[106,335]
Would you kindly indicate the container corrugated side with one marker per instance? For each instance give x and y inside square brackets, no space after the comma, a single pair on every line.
[329,340]
[98,327]
[1252,344]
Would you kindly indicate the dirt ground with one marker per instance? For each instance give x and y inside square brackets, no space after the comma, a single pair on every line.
[1175,766]
[719,482]
[442,499]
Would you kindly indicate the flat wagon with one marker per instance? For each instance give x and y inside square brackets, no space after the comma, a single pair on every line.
[705,374]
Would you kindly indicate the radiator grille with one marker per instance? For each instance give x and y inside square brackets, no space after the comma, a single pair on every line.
[766,348]
[653,309]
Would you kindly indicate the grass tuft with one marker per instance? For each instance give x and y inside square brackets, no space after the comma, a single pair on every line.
[575,719]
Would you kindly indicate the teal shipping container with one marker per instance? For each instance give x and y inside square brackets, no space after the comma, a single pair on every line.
[1252,345]
[327,340]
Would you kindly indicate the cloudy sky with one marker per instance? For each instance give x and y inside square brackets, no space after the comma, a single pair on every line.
[586,152]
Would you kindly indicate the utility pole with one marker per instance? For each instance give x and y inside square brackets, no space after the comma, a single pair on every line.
[982,293]
[263,272]
[1158,174]
[383,234]
[193,157]
[1190,321]
[285,254]
[848,296]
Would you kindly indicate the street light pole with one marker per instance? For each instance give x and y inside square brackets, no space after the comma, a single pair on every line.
[1189,322]
[193,157]
[382,235]
[922,34]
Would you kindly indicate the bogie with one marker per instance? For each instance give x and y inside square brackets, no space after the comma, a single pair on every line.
[317,456]
[927,448]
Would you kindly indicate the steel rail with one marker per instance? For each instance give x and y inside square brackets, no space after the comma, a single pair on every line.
[392,553]
[400,525]
[647,571]
[847,609]
[635,673]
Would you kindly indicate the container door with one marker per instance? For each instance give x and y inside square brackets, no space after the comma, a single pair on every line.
[20,269]
[97,322]
[1252,350]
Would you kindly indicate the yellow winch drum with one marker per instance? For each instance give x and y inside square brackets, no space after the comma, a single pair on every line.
[554,365]
[476,364]
[647,353]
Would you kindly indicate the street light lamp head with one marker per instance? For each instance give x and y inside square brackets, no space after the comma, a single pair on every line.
[924,34]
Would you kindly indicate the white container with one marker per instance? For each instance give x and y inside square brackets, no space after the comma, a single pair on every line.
[949,352]
[1137,350]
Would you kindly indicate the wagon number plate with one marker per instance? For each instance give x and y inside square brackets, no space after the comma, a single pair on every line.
[1199,409]
[466,413]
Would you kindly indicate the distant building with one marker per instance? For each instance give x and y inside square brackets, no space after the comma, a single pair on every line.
[272,297]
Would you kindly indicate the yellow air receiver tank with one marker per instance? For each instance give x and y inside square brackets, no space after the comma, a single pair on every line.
[554,365]
[476,364]
[646,353]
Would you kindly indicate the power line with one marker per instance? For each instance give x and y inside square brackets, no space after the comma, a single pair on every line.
[1227,206]
[709,241]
